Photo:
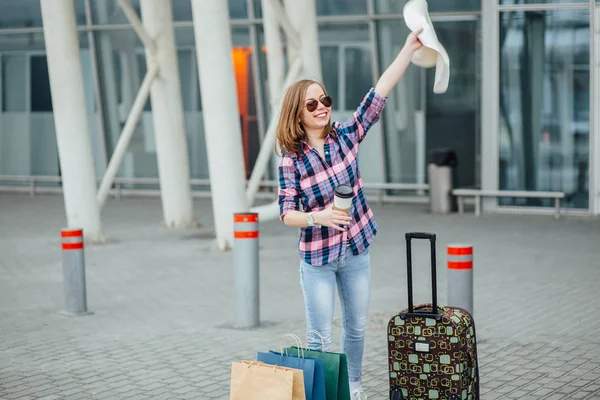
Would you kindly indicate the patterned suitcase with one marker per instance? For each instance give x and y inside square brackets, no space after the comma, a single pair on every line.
[432,354]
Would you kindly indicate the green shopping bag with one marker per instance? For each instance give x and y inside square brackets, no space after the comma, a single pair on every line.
[337,385]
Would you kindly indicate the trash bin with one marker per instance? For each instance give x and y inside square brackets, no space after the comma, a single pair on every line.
[442,174]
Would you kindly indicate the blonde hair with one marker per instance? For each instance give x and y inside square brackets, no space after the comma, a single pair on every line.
[289,128]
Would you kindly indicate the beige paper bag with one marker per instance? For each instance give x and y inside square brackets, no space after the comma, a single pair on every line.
[298,389]
[253,380]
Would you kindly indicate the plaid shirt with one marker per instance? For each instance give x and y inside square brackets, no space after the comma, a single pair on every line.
[310,180]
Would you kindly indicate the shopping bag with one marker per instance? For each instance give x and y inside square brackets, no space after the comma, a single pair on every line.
[337,385]
[252,380]
[314,385]
[303,383]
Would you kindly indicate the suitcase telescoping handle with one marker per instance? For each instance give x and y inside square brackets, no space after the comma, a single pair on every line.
[411,312]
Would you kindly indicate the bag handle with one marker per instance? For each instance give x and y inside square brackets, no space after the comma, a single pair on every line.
[319,335]
[298,344]
[411,312]
[261,364]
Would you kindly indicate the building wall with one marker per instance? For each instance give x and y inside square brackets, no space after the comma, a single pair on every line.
[545,97]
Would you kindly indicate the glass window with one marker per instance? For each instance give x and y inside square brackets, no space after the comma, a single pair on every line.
[418,120]
[358,76]
[330,66]
[14,82]
[544,104]
[341,77]
[341,7]
[27,133]
[41,98]
[396,6]
[330,7]
[512,2]
[258,9]
[28,13]
[109,12]
[238,9]
[463,88]
[458,109]
[182,9]
[188,77]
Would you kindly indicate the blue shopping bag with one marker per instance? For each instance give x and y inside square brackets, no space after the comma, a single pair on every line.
[318,384]
[312,369]
[306,365]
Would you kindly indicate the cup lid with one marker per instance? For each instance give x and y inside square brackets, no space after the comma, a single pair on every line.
[344,191]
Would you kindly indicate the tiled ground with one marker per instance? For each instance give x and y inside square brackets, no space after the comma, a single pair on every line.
[163,303]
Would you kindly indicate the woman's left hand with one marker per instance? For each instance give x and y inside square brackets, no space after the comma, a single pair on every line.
[412,41]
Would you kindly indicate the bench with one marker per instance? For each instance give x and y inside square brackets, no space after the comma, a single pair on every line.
[478,194]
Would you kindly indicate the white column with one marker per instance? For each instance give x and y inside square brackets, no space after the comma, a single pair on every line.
[303,15]
[70,117]
[275,69]
[275,59]
[490,75]
[167,114]
[108,79]
[221,117]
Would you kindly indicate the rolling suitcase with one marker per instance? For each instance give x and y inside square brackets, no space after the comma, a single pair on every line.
[432,350]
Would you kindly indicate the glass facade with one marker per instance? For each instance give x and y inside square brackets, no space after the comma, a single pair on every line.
[518,2]
[27,136]
[545,83]
[28,13]
[420,120]
[545,104]
[435,6]
[108,11]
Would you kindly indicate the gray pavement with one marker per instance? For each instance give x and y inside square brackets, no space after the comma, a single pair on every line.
[163,302]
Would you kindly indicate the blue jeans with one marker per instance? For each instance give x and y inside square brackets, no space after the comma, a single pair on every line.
[352,275]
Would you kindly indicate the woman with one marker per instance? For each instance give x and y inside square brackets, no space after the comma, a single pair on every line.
[317,156]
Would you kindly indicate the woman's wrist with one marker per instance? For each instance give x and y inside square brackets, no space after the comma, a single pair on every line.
[316,217]
[406,52]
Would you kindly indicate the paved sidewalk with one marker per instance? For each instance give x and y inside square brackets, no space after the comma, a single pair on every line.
[163,302]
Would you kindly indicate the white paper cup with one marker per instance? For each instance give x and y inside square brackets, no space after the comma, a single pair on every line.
[341,203]
[342,198]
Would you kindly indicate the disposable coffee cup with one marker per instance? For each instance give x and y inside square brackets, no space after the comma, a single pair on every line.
[342,198]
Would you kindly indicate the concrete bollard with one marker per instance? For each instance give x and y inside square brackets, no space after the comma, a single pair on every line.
[74,273]
[246,270]
[460,276]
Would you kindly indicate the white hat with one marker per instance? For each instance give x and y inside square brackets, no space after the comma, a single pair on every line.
[416,16]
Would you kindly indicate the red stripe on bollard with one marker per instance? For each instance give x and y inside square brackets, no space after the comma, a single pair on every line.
[71,233]
[460,264]
[245,217]
[245,235]
[460,251]
[72,246]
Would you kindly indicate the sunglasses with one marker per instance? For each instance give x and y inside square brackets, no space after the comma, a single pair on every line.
[312,104]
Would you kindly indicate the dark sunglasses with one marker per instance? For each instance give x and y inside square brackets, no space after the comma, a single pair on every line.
[312,104]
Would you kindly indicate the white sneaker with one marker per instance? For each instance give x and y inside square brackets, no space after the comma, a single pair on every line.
[358,394]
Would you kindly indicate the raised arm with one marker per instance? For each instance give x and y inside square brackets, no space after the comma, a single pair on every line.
[394,72]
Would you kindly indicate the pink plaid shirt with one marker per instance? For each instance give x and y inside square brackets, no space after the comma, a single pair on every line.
[309,180]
